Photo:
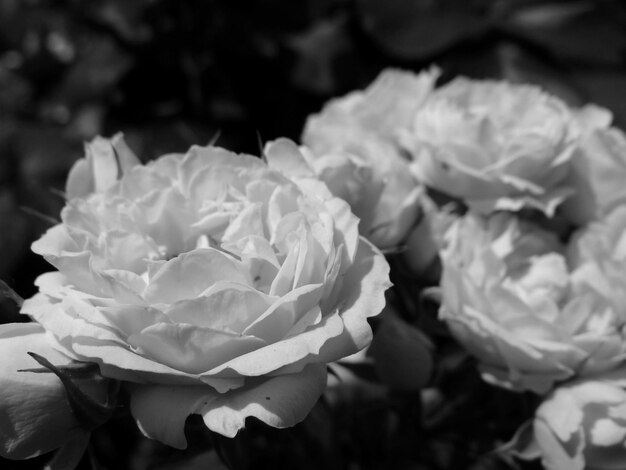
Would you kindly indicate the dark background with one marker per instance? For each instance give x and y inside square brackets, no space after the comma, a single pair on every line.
[170,74]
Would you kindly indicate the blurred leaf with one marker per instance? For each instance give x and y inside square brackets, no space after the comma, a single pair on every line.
[13,239]
[99,66]
[317,51]
[15,91]
[579,32]
[605,88]
[208,460]
[348,386]
[402,354]
[69,456]
[123,17]
[519,65]
[418,30]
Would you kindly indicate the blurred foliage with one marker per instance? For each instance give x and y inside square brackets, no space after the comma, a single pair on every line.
[174,73]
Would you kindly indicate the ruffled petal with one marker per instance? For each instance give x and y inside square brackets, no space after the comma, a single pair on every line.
[161,411]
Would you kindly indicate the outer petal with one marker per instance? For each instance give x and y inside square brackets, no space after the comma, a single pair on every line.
[105,162]
[363,296]
[284,155]
[281,402]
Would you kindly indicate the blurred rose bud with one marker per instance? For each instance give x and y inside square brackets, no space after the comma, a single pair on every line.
[582,425]
[37,416]
[402,354]
[106,160]
[510,298]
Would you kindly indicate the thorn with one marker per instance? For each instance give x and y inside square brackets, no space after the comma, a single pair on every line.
[8,293]
[259,140]
[30,211]
[215,138]
[58,192]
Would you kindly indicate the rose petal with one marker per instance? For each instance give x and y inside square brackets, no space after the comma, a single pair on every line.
[283,155]
[363,296]
[191,348]
[189,274]
[281,401]
[225,306]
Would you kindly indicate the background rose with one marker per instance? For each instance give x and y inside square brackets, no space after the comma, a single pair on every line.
[354,150]
[219,286]
[370,176]
[497,145]
[582,425]
[385,106]
[511,300]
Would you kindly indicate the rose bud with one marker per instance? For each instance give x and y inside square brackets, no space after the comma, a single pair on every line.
[38,416]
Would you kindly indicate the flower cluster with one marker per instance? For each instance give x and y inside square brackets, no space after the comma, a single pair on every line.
[533,263]
[222,285]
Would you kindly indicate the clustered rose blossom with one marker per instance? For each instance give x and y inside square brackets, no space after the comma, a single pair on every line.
[220,284]
[511,299]
[500,146]
[351,145]
[212,282]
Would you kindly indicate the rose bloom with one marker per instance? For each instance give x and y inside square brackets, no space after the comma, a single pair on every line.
[351,145]
[497,145]
[214,283]
[582,425]
[385,106]
[511,299]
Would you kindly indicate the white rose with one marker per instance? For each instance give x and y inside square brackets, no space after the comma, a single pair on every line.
[498,146]
[217,285]
[386,105]
[510,298]
[370,177]
[352,146]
